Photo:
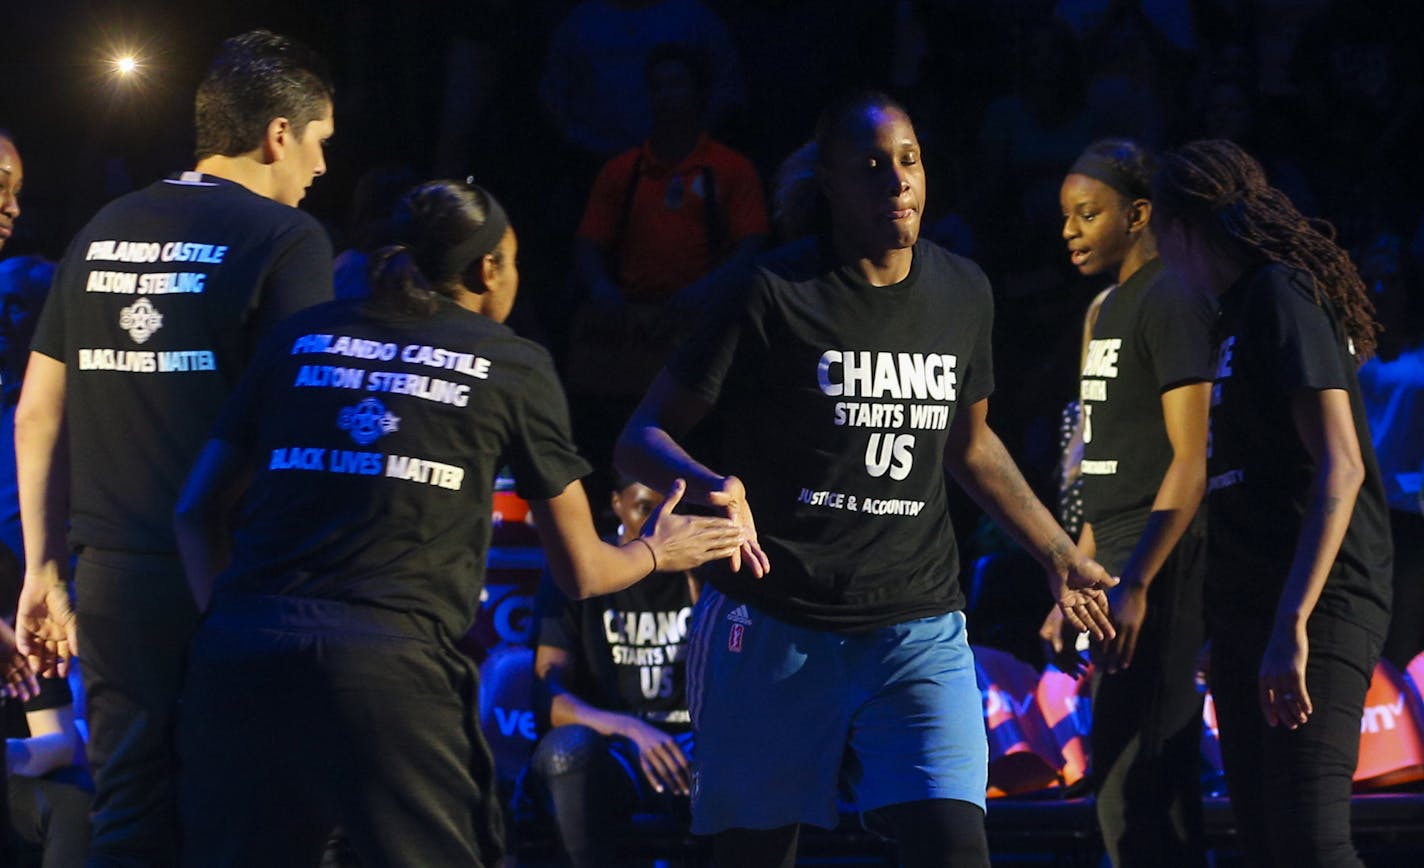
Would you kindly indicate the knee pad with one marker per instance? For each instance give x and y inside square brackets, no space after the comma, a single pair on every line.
[566,749]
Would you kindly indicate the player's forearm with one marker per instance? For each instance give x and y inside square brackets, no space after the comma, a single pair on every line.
[41,754]
[42,474]
[1327,517]
[985,470]
[1178,499]
[649,454]
[568,709]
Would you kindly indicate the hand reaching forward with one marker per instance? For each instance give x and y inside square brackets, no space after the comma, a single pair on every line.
[18,678]
[732,500]
[681,542]
[1082,596]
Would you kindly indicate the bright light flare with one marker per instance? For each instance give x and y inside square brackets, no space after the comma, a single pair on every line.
[126,64]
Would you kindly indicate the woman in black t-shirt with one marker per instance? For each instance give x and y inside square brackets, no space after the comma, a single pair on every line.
[324,687]
[1299,551]
[1145,390]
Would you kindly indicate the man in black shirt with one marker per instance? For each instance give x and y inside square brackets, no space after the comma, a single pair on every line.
[849,371]
[153,316]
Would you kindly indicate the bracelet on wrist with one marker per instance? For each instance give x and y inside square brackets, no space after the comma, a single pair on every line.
[653,554]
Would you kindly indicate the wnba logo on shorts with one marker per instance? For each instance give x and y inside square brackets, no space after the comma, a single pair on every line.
[734,637]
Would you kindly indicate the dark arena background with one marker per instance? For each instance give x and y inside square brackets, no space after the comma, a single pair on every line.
[1327,94]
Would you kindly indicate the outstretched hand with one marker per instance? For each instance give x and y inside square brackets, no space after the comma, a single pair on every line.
[682,542]
[732,500]
[1060,644]
[46,632]
[1082,596]
[18,679]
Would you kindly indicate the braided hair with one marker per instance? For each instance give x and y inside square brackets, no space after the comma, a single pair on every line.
[1221,192]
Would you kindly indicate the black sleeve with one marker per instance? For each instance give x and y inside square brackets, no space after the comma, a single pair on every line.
[300,276]
[714,357]
[1304,351]
[54,693]
[1176,325]
[979,371]
[49,339]
[541,452]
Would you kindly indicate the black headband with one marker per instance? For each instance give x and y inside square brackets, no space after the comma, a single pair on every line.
[481,242]
[1100,168]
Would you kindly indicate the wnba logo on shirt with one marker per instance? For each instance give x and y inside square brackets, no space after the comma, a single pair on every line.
[734,638]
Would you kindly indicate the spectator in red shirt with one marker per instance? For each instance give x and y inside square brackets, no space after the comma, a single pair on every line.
[665,224]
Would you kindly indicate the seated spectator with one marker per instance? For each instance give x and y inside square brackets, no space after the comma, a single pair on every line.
[665,224]
[611,670]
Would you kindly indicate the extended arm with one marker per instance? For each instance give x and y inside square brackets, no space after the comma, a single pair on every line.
[1327,431]
[1179,495]
[217,480]
[649,451]
[585,566]
[53,743]
[44,621]
[981,465]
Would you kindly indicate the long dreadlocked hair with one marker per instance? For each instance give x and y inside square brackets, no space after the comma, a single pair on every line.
[1219,190]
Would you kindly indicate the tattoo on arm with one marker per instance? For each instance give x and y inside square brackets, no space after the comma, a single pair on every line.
[1332,503]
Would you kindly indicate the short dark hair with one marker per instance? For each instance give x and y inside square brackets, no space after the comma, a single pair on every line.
[254,78]
[832,124]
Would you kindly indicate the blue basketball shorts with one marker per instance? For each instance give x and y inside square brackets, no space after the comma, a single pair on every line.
[788,718]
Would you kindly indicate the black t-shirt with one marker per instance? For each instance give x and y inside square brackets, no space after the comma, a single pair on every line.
[375,440]
[836,398]
[155,312]
[628,650]
[1151,336]
[1275,340]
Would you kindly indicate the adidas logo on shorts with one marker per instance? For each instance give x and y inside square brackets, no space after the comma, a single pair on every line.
[740,615]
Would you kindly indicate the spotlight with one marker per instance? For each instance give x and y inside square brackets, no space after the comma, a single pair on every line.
[125,64]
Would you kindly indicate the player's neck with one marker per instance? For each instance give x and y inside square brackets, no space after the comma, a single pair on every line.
[242,169]
[880,267]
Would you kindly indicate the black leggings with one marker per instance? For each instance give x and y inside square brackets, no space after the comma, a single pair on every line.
[931,833]
[576,775]
[1146,736]
[1290,789]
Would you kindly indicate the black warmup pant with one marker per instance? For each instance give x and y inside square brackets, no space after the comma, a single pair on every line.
[1146,735]
[135,616]
[303,715]
[589,784]
[1290,789]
